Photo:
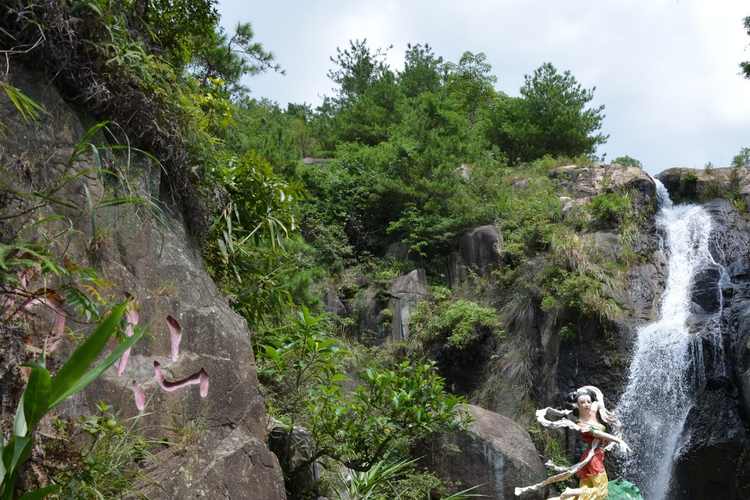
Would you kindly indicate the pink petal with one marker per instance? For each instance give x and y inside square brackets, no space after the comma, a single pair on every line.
[123,363]
[24,277]
[132,318]
[158,375]
[203,383]
[139,395]
[198,378]
[175,336]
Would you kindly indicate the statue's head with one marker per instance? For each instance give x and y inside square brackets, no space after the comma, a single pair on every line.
[586,391]
[593,396]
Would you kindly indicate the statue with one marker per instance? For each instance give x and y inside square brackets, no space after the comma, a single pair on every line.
[594,420]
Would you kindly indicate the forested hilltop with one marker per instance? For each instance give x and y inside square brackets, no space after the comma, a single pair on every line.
[380,289]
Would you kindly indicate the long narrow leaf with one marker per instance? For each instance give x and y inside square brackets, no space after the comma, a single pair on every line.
[40,493]
[21,451]
[85,141]
[79,362]
[123,200]
[20,427]
[36,395]
[2,462]
[81,382]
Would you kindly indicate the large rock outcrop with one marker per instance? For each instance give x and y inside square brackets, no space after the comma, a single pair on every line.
[583,182]
[406,292]
[693,185]
[478,251]
[226,456]
[494,452]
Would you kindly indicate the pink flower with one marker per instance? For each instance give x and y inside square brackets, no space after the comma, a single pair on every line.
[139,395]
[199,378]
[175,336]
[132,318]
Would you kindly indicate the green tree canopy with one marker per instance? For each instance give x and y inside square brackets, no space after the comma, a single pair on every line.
[742,159]
[627,161]
[552,117]
[230,58]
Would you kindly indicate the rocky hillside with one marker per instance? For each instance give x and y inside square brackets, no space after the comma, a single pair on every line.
[222,451]
[546,352]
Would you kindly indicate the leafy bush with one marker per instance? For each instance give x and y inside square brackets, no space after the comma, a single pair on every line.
[390,408]
[742,159]
[107,467]
[580,291]
[611,208]
[627,161]
[458,322]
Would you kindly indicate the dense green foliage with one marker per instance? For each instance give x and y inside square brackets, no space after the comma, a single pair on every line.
[418,151]
[457,323]
[627,161]
[392,407]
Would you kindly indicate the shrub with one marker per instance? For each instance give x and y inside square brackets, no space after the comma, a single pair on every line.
[627,161]
[457,322]
[107,467]
[611,208]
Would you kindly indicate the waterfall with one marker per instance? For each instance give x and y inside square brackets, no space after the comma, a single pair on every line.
[667,362]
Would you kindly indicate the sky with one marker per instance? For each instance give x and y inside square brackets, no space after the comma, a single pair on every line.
[666,70]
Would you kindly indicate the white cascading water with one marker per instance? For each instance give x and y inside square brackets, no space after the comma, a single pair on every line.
[658,395]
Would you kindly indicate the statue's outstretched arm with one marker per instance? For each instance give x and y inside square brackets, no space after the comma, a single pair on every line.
[562,476]
[610,438]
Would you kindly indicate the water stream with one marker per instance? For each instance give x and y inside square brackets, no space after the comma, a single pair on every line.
[667,363]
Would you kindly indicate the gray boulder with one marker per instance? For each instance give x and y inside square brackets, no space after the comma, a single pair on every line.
[587,181]
[479,251]
[405,292]
[698,184]
[295,449]
[494,452]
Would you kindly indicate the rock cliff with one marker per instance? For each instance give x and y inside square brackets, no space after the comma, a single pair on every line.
[148,255]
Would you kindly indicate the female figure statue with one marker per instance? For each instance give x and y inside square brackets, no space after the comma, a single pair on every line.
[593,422]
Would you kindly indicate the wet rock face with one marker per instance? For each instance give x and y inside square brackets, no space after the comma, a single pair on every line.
[706,292]
[495,452]
[227,455]
[712,460]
